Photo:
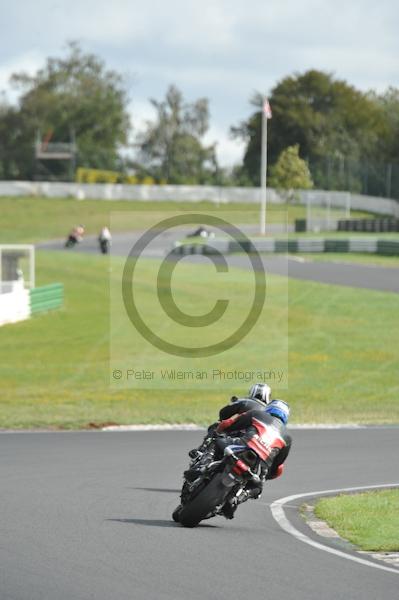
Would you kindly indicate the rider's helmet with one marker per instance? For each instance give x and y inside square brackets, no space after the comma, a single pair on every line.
[260,391]
[279,409]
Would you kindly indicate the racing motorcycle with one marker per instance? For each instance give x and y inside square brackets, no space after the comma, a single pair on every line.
[104,245]
[72,240]
[214,484]
[75,237]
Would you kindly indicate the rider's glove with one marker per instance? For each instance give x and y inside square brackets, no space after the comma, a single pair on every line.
[226,423]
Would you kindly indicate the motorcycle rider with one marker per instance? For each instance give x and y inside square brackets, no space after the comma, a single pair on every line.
[235,426]
[75,236]
[258,396]
[105,234]
[275,415]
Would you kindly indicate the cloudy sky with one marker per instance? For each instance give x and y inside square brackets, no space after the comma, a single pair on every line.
[221,49]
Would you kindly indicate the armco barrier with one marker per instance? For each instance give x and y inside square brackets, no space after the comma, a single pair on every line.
[368,225]
[369,246]
[47,297]
[195,193]
[310,245]
[388,247]
[336,245]
[244,246]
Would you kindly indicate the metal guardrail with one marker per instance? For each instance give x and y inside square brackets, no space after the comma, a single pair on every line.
[369,246]
[369,225]
[196,193]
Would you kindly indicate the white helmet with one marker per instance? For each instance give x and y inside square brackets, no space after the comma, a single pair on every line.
[260,391]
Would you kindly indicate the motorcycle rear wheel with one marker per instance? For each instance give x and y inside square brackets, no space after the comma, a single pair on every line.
[204,503]
[176,514]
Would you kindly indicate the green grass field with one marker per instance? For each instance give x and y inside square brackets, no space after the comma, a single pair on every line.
[353,257]
[343,344]
[345,235]
[369,520]
[342,359]
[25,220]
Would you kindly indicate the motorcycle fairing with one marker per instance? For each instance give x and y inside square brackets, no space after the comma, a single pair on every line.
[266,440]
[236,447]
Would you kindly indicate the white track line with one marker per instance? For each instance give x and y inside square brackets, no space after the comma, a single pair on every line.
[278,513]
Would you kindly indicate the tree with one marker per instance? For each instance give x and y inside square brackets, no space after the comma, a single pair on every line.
[290,173]
[9,138]
[324,116]
[71,95]
[171,147]
[389,104]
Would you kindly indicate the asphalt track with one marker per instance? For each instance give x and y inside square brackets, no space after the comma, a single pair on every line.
[86,515]
[346,274]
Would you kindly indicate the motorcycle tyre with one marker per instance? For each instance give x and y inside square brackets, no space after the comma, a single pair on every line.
[205,502]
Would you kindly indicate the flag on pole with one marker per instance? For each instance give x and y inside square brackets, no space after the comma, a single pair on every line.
[267,109]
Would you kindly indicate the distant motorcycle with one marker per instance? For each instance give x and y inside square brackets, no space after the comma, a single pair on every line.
[201,232]
[104,240]
[72,240]
[75,237]
[220,474]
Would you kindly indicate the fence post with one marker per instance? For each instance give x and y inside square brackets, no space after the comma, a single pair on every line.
[388,180]
[308,209]
[348,206]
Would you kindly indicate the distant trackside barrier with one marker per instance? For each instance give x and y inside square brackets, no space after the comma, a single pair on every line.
[370,246]
[195,193]
[369,225]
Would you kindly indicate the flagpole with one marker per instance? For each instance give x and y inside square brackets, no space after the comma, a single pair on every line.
[263,170]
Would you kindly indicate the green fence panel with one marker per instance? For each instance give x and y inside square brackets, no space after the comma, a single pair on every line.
[41,299]
[44,288]
[286,246]
[46,297]
[336,246]
[388,247]
[38,293]
[281,246]
[51,305]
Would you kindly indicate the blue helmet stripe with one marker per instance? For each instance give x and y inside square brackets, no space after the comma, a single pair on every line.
[279,409]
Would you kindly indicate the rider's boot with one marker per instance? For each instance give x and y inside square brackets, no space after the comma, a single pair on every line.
[196,452]
[229,509]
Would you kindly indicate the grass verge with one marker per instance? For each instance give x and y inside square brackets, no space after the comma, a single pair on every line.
[366,258]
[370,520]
[54,368]
[25,220]
[345,235]
[351,257]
